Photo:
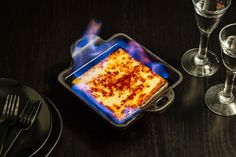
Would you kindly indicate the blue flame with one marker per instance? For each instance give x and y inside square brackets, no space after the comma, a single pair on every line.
[137,52]
[86,48]
[84,41]
[89,51]
[93,28]
[158,68]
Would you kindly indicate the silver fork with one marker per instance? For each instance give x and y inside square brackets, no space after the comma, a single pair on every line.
[8,116]
[24,122]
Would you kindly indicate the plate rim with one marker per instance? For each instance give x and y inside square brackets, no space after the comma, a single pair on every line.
[58,137]
[49,133]
[21,85]
[50,106]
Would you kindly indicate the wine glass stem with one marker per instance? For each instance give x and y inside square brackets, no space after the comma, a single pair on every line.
[227,94]
[201,57]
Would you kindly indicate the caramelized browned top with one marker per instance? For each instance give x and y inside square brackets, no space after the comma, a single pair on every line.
[120,83]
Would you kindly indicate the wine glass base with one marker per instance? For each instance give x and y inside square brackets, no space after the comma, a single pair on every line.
[213,102]
[208,68]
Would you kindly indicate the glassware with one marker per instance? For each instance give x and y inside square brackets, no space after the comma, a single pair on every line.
[201,62]
[221,98]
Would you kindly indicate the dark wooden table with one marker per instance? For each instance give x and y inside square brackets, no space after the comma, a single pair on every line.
[34,43]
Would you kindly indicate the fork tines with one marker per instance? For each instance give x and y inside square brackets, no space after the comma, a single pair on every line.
[11,107]
[29,112]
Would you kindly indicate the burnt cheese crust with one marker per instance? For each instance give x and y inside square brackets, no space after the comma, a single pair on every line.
[120,83]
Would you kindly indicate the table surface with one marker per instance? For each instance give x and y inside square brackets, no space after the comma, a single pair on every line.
[35,39]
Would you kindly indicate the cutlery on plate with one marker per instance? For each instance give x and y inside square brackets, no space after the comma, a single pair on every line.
[8,116]
[23,123]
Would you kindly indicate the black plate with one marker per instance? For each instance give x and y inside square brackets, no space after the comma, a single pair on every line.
[30,141]
[57,126]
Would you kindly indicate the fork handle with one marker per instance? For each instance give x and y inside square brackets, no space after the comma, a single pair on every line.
[13,135]
[3,134]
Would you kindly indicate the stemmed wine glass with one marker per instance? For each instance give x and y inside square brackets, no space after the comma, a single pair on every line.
[201,62]
[221,98]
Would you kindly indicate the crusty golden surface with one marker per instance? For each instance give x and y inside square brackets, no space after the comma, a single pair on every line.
[120,83]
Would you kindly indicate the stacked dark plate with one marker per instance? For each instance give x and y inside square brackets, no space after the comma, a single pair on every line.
[46,131]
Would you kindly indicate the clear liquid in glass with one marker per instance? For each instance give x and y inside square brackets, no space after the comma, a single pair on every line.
[207,16]
[229,52]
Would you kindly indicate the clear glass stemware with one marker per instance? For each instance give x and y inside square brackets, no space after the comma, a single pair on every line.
[221,98]
[201,62]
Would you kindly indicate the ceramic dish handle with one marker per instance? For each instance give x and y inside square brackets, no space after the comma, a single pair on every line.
[163,102]
[81,47]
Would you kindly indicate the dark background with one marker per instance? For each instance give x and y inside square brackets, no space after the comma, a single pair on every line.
[35,37]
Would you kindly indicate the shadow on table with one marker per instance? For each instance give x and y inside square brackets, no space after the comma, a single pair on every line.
[191,95]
